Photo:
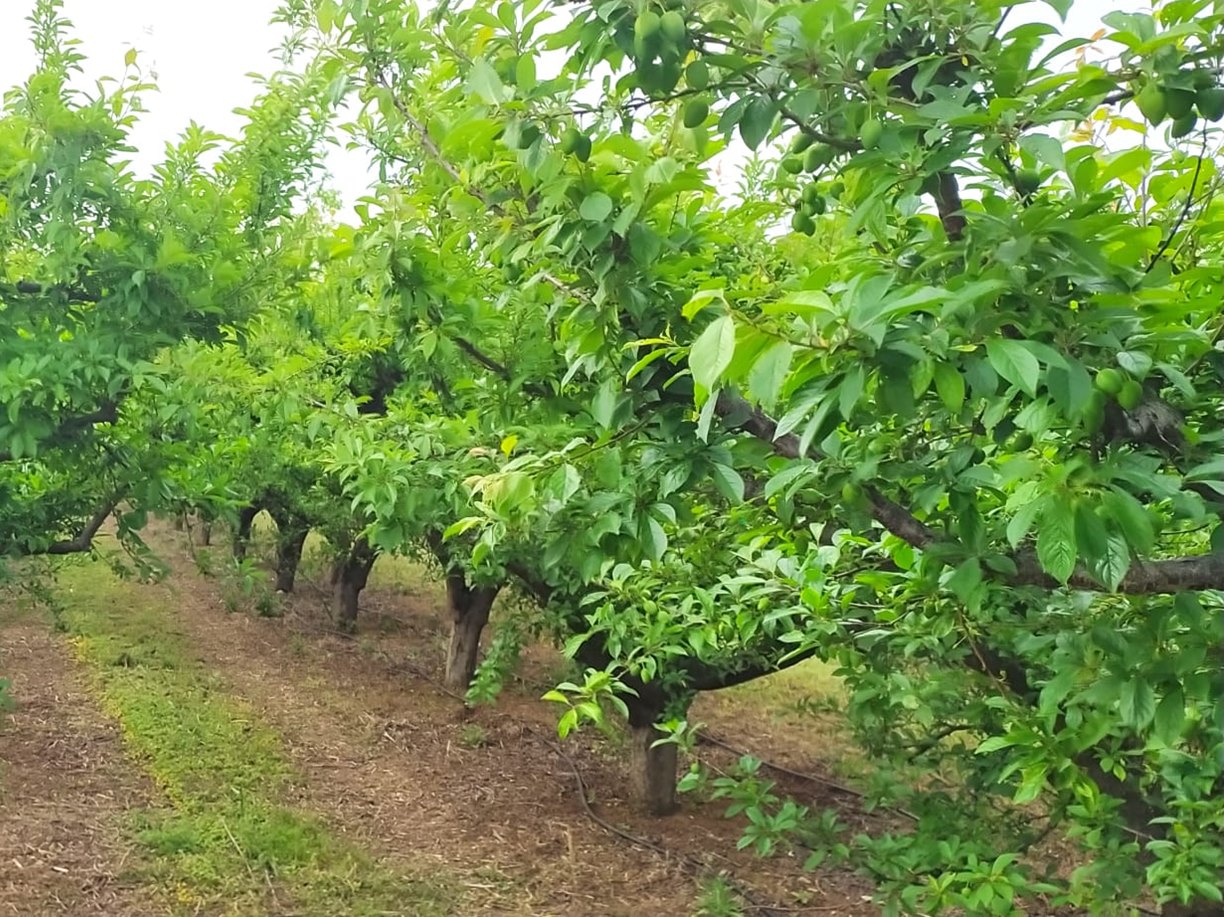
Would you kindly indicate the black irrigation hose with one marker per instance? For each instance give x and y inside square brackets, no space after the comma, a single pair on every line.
[689,864]
[704,736]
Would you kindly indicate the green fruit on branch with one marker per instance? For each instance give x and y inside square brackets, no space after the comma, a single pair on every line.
[1151,103]
[792,164]
[671,25]
[871,132]
[1210,102]
[1178,102]
[697,75]
[817,156]
[801,142]
[1130,395]
[1109,381]
[1183,126]
[803,223]
[695,113]
[646,29]
[1028,181]
[570,139]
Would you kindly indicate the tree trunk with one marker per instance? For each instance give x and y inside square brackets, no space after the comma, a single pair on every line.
[291,532]
[469,608]
[205,534]
[289,545]
[242,533]
[652,776]
[349,577]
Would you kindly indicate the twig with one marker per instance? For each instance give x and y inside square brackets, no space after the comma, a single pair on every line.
[1181,217]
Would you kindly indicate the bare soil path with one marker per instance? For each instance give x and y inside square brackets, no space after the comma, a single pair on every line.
[65,785]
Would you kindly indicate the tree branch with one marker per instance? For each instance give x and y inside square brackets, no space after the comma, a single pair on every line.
[1144,577]
[108,413]
[79,544]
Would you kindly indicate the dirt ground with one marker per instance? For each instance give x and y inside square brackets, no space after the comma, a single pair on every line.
[64,786]
[391,761]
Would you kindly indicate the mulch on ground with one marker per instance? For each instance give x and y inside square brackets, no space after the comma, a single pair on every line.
[65,785]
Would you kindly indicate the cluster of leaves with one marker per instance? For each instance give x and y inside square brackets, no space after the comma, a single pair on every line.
[100,270]
[988,357]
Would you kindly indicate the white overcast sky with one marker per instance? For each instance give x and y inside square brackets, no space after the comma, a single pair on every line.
[201,54]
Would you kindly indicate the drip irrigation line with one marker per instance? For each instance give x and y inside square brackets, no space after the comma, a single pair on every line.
[689,864]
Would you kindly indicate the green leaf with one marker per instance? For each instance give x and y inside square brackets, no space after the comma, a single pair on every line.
[965,580]
[1170,716]
[728,482]
[654,539]
[756,121]
[484,82]
[1137,703]
[1133,519]
[1022,522]
[950,385]
[1056,547]
[1113,563]
[604,406]
[768,373]
[851,390]
[711,353]
[1032,782]
[1015,363]
[596,207]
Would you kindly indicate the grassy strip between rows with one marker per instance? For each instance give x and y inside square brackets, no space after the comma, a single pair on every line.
[226,843]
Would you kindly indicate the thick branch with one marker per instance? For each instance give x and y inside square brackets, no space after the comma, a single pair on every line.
[82,542]
[1144,578]
[706,678]
[30,288]
[108,413]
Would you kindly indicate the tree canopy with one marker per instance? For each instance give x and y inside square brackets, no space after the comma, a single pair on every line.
[728,334]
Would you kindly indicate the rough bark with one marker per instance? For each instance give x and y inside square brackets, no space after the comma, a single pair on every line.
[242,532]
[291,532]
[469,609]
[349,577]
[652,776]
[1194,573]
[289,545]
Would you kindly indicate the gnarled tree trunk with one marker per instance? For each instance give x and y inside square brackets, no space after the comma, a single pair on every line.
[652,777]
[469,609]
[291,532]
[242,532]
[349,577]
